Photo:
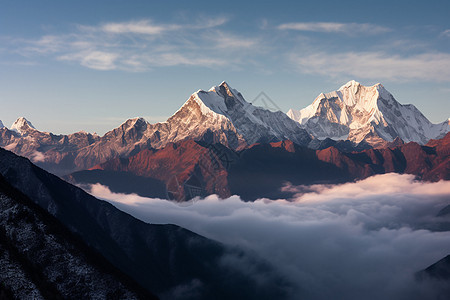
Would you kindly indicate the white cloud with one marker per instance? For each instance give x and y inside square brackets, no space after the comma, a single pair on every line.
[141,45]
[224,40]
[446,33]
[97,60]
[37,156]
[392,183]
[174,59]
[47,44]
[138,27]
[362,240]
[377,65]
[333,27]
[203,23]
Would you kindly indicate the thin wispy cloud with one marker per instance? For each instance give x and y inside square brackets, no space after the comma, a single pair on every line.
[98,60]
[222,40]
[139,27]
[142,45]
[47,44]
[446,33]
[376,65]
[333,27]
[148,27]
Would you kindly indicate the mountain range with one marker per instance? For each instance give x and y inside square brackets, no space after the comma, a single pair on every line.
[220,115]
[362,117]
[187,169]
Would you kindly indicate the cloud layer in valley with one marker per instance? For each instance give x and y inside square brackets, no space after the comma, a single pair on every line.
[362,240]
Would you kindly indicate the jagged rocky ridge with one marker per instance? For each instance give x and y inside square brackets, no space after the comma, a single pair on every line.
[183,170]
[220,115]
[371,114]
[56,153]
[364,117]
[168,260]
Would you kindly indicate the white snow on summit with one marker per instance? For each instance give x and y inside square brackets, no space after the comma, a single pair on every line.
[357,113]
[255,124]
[1,124]
[21,125]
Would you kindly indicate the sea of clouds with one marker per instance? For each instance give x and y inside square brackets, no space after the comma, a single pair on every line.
[362,240]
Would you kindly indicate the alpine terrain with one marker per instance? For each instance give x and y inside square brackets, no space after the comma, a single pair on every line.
[371,114]
[220,115]
[184,170]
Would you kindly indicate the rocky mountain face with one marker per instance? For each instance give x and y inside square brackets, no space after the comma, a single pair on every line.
[371,114]
[220,115]
[166,259]
[41,259]
[188,169]
[55,153]
[179,171]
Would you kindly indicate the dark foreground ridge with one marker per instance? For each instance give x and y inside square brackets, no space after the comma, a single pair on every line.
[168,260]
[41,258]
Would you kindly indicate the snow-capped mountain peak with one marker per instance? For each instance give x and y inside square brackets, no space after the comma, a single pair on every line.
[255,124]
[357,112]
[22,125]
[350,84]
[224,85]
[133,122]
[222,115]
[209,101]
[1,124]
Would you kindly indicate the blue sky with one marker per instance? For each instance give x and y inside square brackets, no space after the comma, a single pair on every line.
[89,65]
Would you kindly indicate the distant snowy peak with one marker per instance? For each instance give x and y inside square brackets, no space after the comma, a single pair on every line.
[138,122]
[1,124]
[351,95]
[358,113]
[22,125]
